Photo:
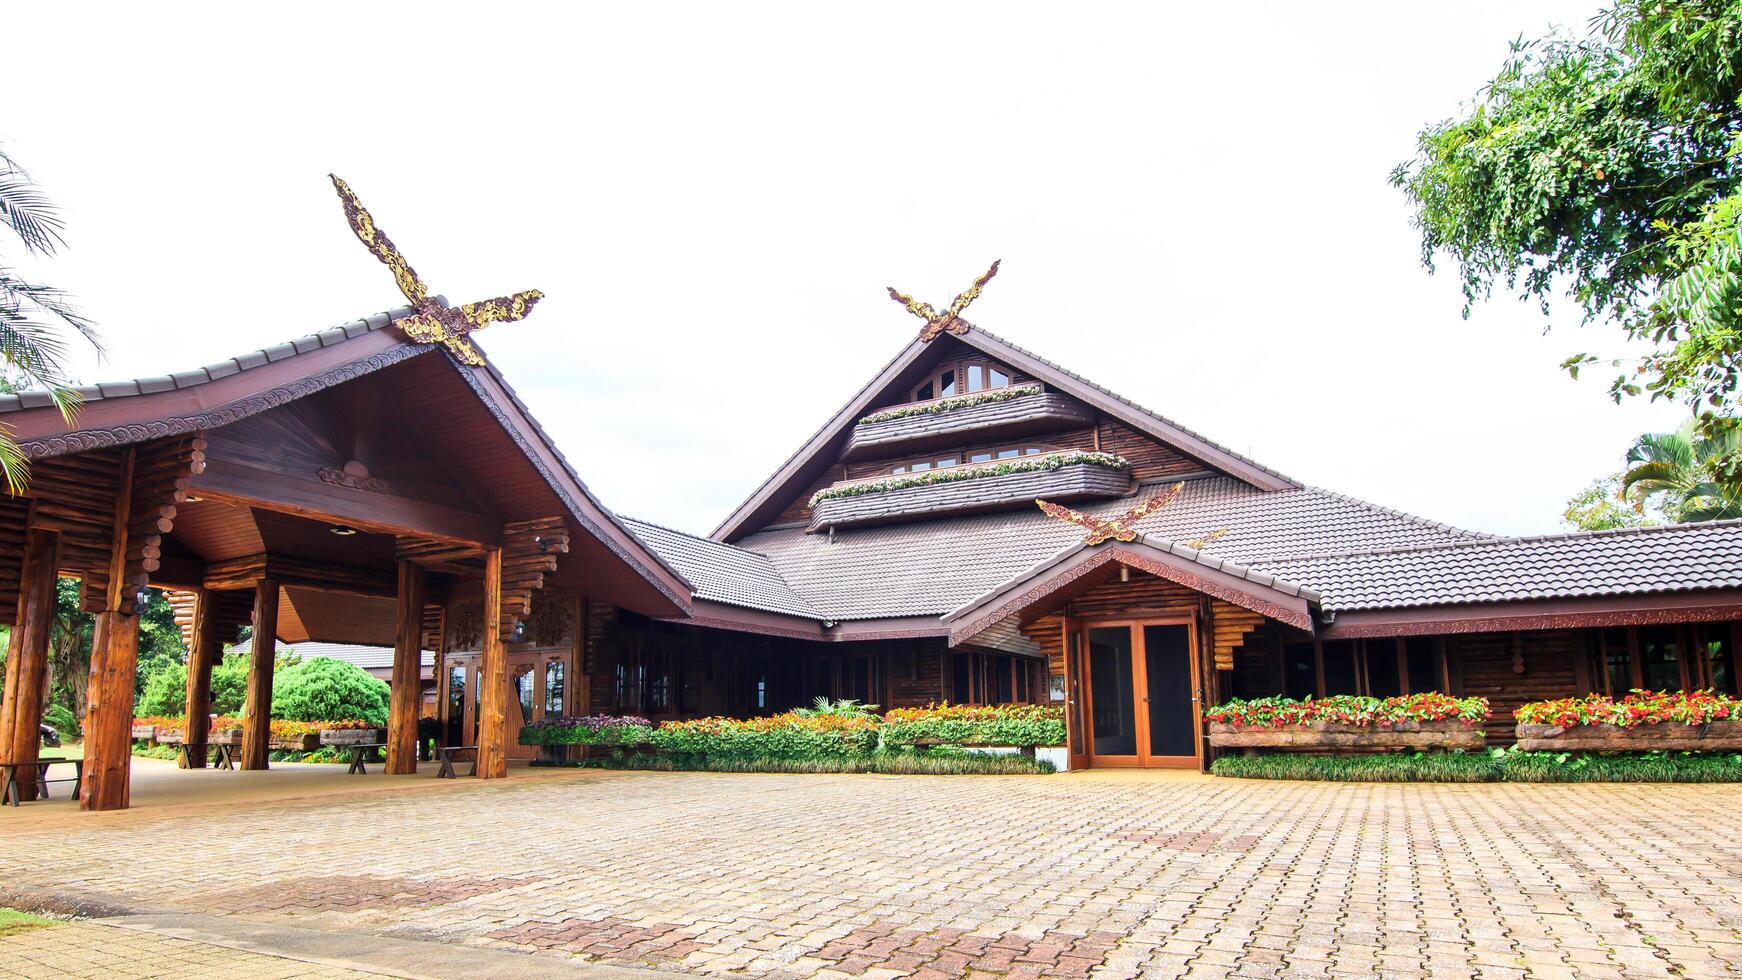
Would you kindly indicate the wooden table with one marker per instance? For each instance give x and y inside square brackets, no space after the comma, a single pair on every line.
[9,793]
[358,751]
[447,752]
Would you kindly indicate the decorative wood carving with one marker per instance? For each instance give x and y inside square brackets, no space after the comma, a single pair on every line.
[1120,528]
[529,550]
[466,632]
[353,475]
[552,618]
[432,321]
[949,321]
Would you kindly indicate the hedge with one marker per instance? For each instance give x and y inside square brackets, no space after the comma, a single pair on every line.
[1349,709]
[889,763]
[1013,725]
[590,730]
[783,736]
[1495,765]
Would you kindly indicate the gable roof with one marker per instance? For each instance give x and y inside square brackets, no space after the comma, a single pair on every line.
[128,412]
[723,573]
[797,471]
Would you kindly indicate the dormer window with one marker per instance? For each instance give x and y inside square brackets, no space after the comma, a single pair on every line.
[966,378]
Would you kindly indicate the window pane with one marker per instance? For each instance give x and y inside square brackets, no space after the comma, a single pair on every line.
[1006,682]
[947,384]
[960,679]
[1720,662]
[976,377]
[1382,678]
[1299,678]
[1424,674]
[923,392]
[1111,693]
[553,688]
[948,461]
[980,458]
[1660,659]
[1616,663]
[523,691]
[999,378]
[1031,451]
[921,467]
[1008,453]
[1339,668]
[899,470]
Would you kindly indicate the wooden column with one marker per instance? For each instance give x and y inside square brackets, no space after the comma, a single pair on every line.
[257,717]
[114,664]
[493,677]
[27,657]
[203,654]
[407,682]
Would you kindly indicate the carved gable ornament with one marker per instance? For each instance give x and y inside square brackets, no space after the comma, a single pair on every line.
[949,321]
[433,322]
[1123,527]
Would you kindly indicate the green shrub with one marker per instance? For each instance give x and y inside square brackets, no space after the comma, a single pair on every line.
[588,730]
[324,689]
[230,685]
[1391,767]
[62,719]
[784,736]
[893,764]
[1014,725]
[166,690]
[1621,767]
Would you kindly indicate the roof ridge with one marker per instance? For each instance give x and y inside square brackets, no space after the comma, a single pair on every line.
[1138,406]
[1499,540]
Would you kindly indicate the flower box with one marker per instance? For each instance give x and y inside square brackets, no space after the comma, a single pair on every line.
[1446,733]
[351,736]
[144,733]
[295,743]
[968,489]
[1674,736]
[917,426]
[228,736]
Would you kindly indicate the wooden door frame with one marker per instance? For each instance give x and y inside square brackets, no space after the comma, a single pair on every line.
[1139,692]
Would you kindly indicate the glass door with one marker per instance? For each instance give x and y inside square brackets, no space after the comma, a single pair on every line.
[1142,694]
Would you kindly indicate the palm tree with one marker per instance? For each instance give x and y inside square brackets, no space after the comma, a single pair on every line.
[1681,471]
[33,318]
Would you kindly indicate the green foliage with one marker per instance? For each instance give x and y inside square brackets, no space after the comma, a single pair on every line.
[1400,767]
[590,730]
[159,638]
[324,689]
[1494,765]
[844,708]
[786,736]
[165,691]
[1013,725]
[1599,507]
[1685,474]
[1606,167]
[62,719]
[230,684]
[1621,767]
[893,764]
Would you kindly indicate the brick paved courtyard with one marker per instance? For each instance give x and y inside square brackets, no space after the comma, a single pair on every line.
[1099,874]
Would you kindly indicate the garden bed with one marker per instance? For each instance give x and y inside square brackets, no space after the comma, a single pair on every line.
[1344,724]
[1693,721]
[1493,766]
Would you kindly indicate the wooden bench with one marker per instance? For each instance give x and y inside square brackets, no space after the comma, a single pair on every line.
[9,791]
[447,752]
[358,750]
[222,756]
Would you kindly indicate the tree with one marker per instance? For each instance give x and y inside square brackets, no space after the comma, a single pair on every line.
[1599,507]
[324,689]
[1680,472]
[1607,167]
[33,318]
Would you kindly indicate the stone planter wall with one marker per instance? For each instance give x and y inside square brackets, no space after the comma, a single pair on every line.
[1715,736]
[1076,481]
[351,736]
[1325,736]
[144,733]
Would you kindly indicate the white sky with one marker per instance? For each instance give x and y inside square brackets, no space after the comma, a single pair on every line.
[1191,206]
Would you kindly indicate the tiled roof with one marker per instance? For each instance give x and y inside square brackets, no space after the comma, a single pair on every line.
[721,572]
[1676,558]
[932,567]
[36,398]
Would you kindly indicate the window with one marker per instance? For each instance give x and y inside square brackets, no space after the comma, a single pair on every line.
[1383,678]
[1300,676]
[523,690]
[553,688]
[983,456]
[961,679]
[1660,659]
[1617,661]
[1339,667]
[970,377]
[1424,672]
[1714,647]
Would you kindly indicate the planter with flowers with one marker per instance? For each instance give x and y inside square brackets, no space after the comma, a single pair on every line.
[352,732]
[1347,723]
[1642,721]
[620,733]
[1024,727]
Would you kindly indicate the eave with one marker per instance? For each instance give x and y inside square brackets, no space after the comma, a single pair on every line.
[1649,609]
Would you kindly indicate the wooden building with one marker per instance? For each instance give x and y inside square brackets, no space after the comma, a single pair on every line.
[361,486]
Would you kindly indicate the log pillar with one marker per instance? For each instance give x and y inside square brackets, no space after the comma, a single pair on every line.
[202,656]
[407,680]
[109,712]
[257,716]
[27,656]
[493,677]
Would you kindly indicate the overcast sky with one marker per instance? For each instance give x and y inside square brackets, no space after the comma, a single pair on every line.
[1192,209]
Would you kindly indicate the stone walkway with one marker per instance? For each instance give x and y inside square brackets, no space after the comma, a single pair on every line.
[82,949]
[1098,874]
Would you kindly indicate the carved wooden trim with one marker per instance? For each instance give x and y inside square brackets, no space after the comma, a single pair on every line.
[86,440]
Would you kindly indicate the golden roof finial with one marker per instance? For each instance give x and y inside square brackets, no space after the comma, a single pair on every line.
[950,320]
[1120,528]
[432,323]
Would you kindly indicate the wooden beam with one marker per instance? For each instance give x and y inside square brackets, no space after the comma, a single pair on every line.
[380,513]
[27,657]
[493,677]
[407,683]
[257,716]
[204,649]
[114,664]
